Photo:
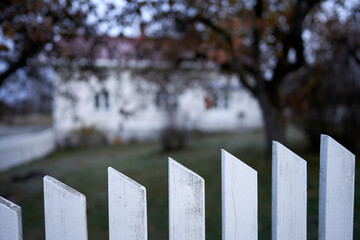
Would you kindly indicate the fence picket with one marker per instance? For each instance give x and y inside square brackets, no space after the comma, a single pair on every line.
[239,199]
[65,208]
[65,211]
[186,203]
[127,208]
[288,194]
[10,220]
[336,191]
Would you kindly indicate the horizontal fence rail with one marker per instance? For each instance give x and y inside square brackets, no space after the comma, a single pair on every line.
[65,208]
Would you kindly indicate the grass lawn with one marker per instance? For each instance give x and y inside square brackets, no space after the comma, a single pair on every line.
[86,171]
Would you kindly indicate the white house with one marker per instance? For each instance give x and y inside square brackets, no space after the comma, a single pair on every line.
[124,103]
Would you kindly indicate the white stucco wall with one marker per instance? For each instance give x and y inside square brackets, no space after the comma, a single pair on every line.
[128,94]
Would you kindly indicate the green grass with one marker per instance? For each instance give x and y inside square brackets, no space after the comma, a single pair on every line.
[86,171]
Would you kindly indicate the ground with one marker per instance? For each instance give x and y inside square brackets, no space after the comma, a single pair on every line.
[86,171]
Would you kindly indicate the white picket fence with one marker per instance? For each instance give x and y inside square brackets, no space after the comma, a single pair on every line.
[65,208]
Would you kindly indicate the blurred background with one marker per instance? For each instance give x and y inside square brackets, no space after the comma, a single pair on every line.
[87,84]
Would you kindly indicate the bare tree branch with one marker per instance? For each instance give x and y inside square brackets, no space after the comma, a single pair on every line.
[209,23]
[240,69]
[31,51]
[293,39]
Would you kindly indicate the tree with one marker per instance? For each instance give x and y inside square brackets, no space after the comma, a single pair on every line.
[260,41]
[326,98]
[30,28]
[167,85]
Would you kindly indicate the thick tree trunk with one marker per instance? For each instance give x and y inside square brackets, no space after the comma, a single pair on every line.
[274,124]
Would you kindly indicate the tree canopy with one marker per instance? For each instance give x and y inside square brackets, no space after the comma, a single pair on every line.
[30,28]
[263,42]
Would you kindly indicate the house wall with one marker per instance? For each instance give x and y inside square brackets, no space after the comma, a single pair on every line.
[133,113]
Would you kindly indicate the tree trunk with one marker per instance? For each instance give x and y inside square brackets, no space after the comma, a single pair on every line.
[274,123]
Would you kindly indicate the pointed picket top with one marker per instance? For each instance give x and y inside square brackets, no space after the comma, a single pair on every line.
[10,220]
[289,193]
[186,203]
[65,211]
[336,191]
[127,208]
[239,199]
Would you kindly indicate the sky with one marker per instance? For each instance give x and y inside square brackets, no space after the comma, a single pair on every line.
[147,13]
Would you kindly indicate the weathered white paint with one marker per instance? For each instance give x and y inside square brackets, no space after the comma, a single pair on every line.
[186,203]
[289,194]
[10,220]
[239,199]
[336,193]
[127,208]
[65,211]
[21,148]
[65,208]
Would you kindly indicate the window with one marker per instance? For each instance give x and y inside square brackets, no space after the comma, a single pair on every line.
[97,100]
[218,100]
[241,114]
[165,100]
[106,97]
[102,100]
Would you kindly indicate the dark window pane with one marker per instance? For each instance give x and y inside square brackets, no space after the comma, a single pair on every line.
[106,97]
[97,104]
